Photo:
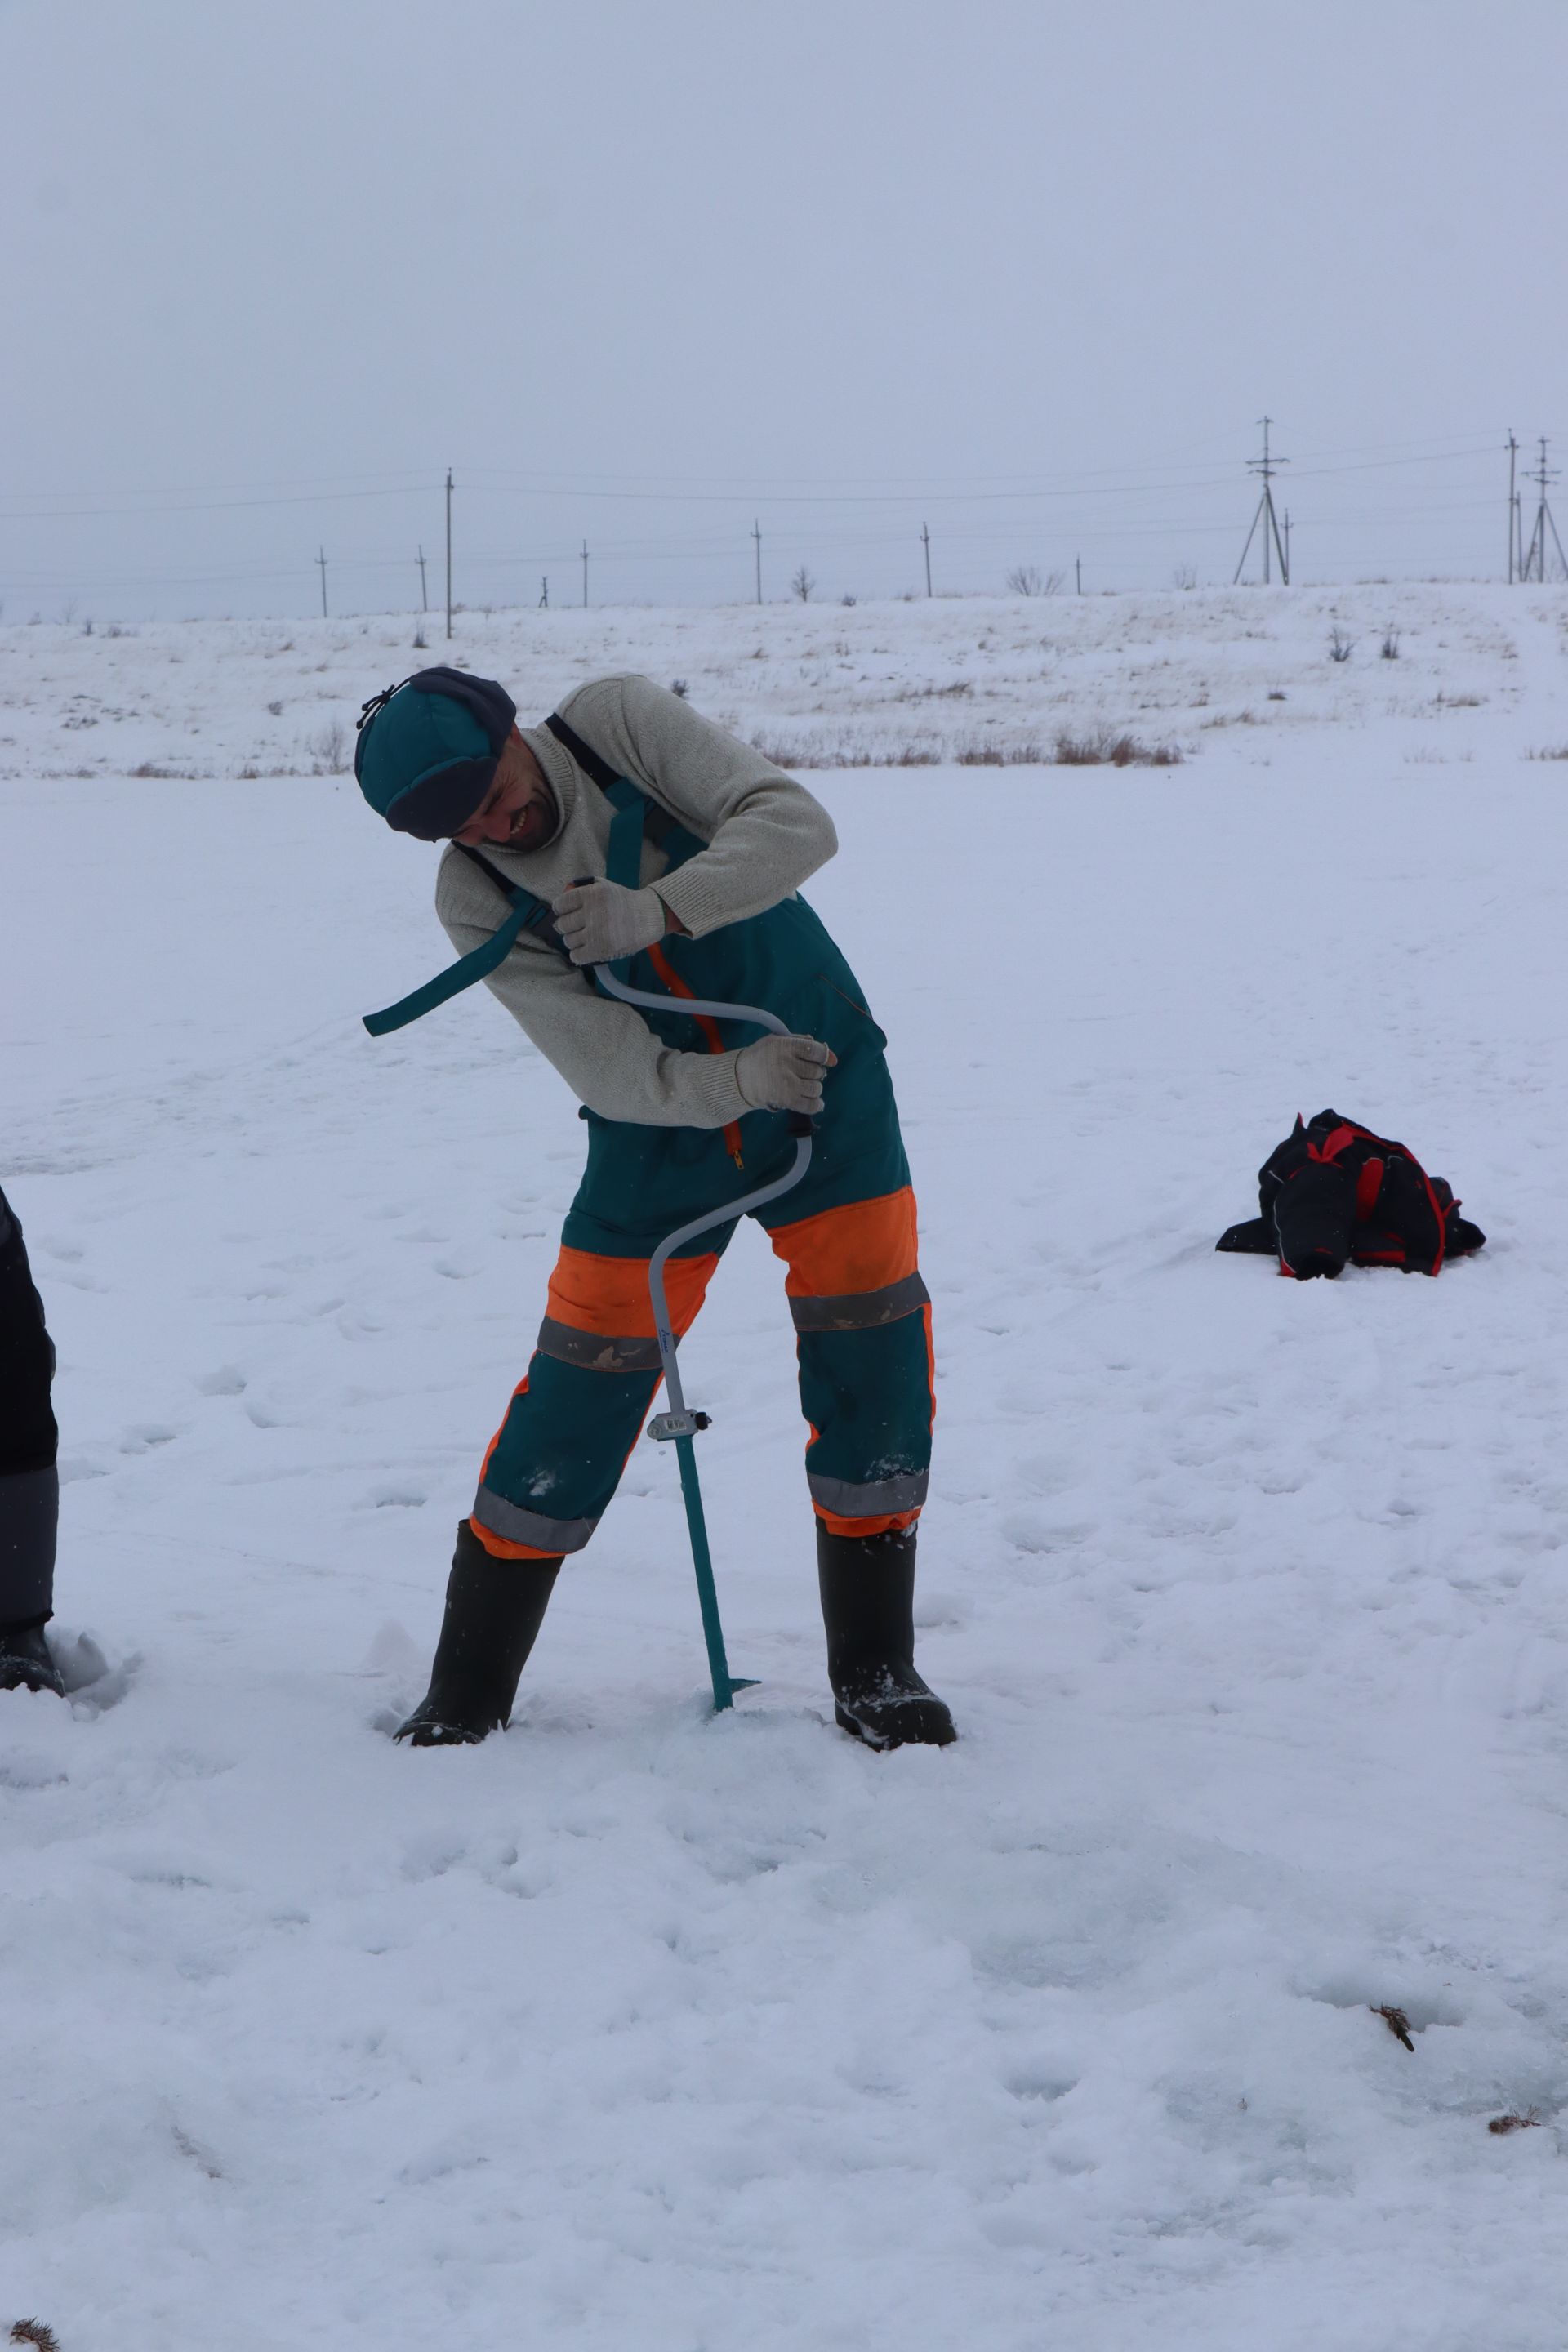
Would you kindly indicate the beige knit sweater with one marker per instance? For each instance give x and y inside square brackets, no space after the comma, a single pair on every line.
[765,835]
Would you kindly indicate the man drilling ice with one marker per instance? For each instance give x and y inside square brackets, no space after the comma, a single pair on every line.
[628,832]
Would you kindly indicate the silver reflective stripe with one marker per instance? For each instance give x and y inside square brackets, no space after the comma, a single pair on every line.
[907,1492]
[594,1351]
[505,1518]
[861,1311]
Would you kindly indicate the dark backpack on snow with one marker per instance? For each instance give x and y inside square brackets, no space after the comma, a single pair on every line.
[1334,1193]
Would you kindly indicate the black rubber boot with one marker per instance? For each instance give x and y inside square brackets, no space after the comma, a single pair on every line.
[868,1606]
[494,1610]
[25,1661]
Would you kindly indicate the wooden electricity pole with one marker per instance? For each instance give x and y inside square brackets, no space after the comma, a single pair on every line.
[925,542]
[1514,533]
[757,535]
[584,575]
[449,551]
[424,599]
[322,560]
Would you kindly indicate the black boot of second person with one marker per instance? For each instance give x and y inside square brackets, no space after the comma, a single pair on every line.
[494,1610]
[867,1607]
[27,1663]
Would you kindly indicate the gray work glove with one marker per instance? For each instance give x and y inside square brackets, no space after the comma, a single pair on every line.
[783,1073]
[599,922]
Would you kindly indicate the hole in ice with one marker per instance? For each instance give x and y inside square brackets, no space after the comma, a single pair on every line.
[1026,2084]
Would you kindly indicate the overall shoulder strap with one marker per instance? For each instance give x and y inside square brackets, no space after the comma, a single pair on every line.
[653,823]
[634,812]
[528,913]
[588,758]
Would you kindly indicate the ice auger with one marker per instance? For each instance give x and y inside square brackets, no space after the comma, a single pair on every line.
[679,1422]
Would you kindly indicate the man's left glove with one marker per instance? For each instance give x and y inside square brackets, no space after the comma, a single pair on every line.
[599,922]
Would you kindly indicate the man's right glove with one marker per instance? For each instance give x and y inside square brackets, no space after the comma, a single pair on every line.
[783,1073]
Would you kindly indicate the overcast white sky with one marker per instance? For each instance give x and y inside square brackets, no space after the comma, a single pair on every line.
[1026,270]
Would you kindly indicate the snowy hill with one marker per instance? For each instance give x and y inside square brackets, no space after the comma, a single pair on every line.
[641,2028]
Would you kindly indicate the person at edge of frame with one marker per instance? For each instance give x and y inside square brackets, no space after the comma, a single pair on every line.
[627,829]
[29,1479]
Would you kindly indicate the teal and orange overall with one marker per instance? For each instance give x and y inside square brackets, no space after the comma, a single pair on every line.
[847,1234]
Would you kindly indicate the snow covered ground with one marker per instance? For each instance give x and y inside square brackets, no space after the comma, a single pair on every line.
[638,2028]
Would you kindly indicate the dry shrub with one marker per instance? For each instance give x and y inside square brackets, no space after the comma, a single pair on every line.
[1109,748]
[1105,748]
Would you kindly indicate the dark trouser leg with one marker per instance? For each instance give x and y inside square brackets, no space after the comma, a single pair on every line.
[557,1460]
[863,1318]
[551,1472]
[29,1482]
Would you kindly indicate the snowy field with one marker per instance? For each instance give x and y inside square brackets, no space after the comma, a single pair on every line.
[640,2030]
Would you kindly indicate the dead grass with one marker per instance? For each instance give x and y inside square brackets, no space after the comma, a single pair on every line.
[1550,751]
[1109,748]
[1102,747]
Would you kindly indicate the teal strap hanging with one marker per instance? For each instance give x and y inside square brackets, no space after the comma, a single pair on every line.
[453,979]
[632,810]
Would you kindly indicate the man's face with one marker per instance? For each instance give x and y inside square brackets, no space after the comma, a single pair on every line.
[518,811]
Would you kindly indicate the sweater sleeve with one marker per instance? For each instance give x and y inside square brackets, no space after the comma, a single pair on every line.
[606,1052]
[766,834]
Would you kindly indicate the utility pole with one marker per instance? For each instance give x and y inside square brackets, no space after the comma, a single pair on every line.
[1077,571]
[424,599]
[925,542]
[1268,466]
[584,575]
[1514,533]
[449,551]
[544,594]
[757,535]
[1534,564]
[322,560]
[1286,545]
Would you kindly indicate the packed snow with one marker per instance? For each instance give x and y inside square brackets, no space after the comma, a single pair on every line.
[639,2027]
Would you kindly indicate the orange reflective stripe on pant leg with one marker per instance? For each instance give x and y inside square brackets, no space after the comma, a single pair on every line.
[864,1245]
[610,1296]
[838,1526]
[500,1547]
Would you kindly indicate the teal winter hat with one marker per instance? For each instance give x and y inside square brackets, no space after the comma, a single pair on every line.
[427,749]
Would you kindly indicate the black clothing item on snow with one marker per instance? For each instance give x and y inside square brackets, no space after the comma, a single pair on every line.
[29,1481]
[868,1585]
[494,1610]
[1333,1192]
